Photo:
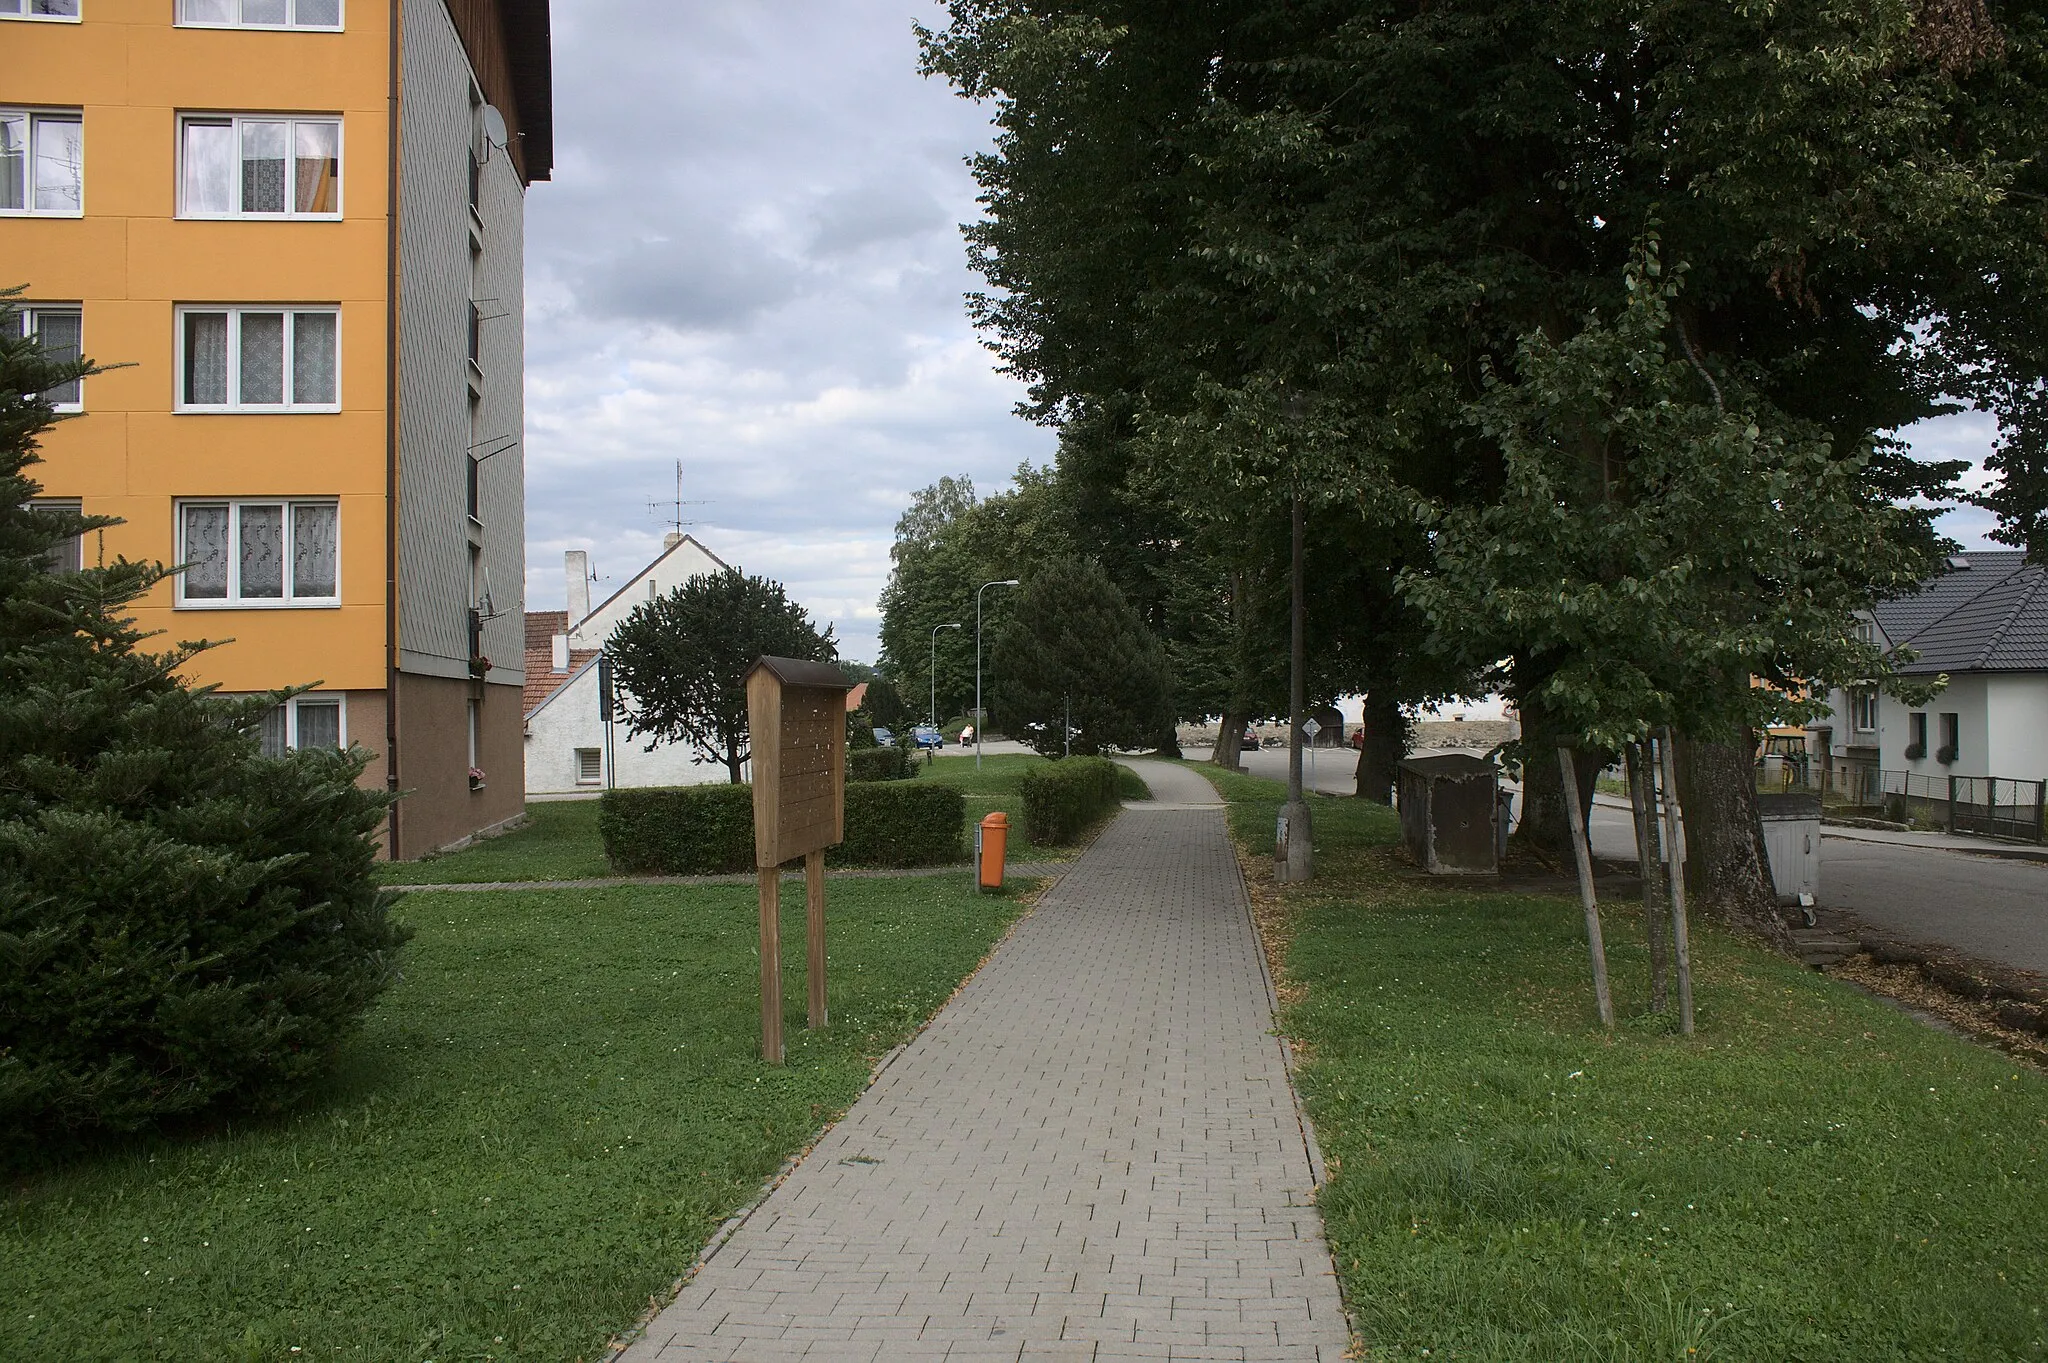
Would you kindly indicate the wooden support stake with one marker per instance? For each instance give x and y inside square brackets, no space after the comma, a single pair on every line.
[1642,800]
[770,882]
[814,933]
[1681,937]
[1583,851]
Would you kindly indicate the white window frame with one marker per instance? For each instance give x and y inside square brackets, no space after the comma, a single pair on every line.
[290,120]
[290,26]
[31,314]
[1859,699]
[234,405]
[234,600]
[596,779]
[21,12]
[338,699]
[72,551]
[34,114]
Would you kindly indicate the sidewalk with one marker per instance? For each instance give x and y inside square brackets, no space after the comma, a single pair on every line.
[1092,1153]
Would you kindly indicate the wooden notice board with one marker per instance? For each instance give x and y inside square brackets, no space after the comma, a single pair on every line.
[796,721]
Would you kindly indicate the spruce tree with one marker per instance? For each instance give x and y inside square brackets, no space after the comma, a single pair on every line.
[1075,650]
[186,925]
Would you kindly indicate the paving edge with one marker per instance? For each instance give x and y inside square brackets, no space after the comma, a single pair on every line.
[616,1347]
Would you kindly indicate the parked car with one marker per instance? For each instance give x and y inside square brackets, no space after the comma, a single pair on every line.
[883,738]
[925,736]
[1250,740]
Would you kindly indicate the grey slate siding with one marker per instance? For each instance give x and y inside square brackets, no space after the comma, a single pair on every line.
[439,275]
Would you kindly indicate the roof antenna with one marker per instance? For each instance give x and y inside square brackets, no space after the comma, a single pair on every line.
[676,505]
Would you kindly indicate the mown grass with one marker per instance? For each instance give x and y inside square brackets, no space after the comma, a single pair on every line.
[535,1131]
[558,841]
[1813,1176]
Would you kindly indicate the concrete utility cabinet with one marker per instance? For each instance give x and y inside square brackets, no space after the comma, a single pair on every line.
[1450,812]
[1792,840]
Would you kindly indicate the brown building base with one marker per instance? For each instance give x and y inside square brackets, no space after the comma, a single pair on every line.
[441,805]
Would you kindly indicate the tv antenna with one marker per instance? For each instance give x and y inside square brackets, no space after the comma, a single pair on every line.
[676,503]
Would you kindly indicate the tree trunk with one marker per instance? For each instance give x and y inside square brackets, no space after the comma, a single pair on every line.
[1169,742]
[1545,826]
[732,763]
[1386,743]
[1727,870]
[1229,741]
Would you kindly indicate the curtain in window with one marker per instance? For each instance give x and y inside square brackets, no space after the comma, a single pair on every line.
[315,527]
[319,724]
[317,166]
[14,162]
[67,9]
[209,166]
[262,552]
[263,158]
[274,731]
[206,359]
[206,11]
[206,553]
[61,335]
[318,13]
[262,359]
[60,164]
[263,11]
[313,357]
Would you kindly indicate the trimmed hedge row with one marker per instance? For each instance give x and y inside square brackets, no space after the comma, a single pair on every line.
[709,830]
[878,764]
[1063,799]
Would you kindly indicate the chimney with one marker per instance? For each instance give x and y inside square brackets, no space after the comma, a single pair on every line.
[671,540]
[576,567]
[560,662]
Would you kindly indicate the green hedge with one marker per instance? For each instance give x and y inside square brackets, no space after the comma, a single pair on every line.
[879,764]
[709,830]
[1063,799]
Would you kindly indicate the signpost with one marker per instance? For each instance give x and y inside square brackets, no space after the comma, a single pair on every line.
[796,720]
[1310,727]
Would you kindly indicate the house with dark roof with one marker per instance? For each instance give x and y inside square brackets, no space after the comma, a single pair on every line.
[568,751]
[1983,624]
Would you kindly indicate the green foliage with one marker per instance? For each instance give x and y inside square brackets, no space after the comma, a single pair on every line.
[1074,647]
[860,731]
[680,661]
[186,926]
[709,830]
[558,841]
[477,1180]
[1062,800]
[892,763]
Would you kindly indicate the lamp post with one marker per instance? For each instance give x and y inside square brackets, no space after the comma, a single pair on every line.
[1294,841]
[979,723]
[935,670]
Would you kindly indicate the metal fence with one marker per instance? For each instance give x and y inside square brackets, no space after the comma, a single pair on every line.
[1996,806]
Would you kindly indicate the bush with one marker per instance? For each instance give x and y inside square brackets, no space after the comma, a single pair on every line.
[709,830]
[879,764]
[1063,799]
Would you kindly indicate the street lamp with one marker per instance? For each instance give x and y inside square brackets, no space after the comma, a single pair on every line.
[980,720]
[935,670]
[1294,840]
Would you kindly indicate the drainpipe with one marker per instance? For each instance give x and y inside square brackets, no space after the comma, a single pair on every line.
[391,434]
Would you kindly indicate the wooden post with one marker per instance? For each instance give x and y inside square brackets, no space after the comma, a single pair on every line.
[1642,802]
[770,884]
[1680,936]
[1583,851]
[814,932]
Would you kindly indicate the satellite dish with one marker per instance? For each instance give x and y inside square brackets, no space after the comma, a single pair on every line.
[494,126]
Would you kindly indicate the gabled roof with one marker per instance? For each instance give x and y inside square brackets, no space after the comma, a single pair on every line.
[651,566]
[542,681]
[1988,616]
[581,661]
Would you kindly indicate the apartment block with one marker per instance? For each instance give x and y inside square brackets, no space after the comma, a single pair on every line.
[298,226]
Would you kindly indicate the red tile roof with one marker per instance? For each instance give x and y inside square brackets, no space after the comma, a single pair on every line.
[542,680]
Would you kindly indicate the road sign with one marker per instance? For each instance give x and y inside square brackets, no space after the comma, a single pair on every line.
[1309,728]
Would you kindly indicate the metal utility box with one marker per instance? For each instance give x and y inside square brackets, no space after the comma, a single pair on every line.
[1450,813]
[1792,841]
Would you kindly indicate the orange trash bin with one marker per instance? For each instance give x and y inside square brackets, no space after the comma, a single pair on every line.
[991,840]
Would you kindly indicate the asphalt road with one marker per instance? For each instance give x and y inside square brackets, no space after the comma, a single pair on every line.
[1982,906]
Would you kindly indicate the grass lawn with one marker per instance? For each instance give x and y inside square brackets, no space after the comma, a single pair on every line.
[1814,1176]
[536,1131]
[995,787]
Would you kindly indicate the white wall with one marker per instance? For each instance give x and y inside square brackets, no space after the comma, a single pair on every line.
[568,721]
[678,565]
[2018,721]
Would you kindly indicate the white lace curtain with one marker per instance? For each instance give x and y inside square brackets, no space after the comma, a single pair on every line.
[262,556]
[206,552]
[315,531]
[262,355]
[206,359]
[263,158]
[313,357]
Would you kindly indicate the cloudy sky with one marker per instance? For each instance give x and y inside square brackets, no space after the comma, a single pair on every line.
[749,260]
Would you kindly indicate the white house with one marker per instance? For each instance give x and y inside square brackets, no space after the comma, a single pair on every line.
[1985,624]
[565,736]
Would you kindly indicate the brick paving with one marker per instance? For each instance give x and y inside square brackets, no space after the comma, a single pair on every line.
[1092,1153]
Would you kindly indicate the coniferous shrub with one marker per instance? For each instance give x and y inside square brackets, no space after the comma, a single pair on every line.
[186,925]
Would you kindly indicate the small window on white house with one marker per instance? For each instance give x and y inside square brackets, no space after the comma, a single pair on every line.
[589,766]
[61,330]
[266,166]
[1864,706]
[304,722]
[323,14]
[39,9]
[259,553]
[259,360]
[42,162]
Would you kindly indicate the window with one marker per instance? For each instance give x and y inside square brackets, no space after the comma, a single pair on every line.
[476,503]
[589,767]
[266,166]
[38,9]
[68,556]
[258,13]
[1951,738]
[61,331]
[1916,735]
[259,360]
[1864,705]
[259,553]
[42,162]
[476,720]
[302,722]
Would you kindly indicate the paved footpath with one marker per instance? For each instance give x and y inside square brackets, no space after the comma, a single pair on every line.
[1092,1153]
